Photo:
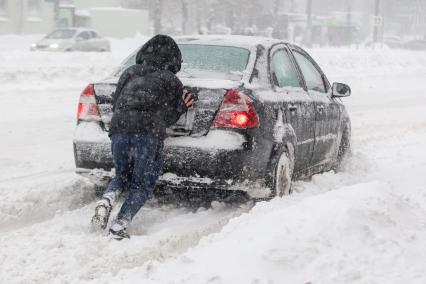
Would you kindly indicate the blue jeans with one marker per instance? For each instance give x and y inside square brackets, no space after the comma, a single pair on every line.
[138,160]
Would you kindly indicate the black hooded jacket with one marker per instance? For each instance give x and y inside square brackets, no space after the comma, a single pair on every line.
[148,95]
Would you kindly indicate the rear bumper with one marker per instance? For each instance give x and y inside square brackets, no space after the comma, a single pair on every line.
[189,163]
[255,189]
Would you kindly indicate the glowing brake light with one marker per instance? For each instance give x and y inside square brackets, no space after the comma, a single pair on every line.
[236,111]
[87,107]
[240,119]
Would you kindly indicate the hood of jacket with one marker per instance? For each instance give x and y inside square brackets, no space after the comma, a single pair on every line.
[160,52]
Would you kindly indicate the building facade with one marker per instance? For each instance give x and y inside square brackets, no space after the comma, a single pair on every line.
[42,16]
[26,16]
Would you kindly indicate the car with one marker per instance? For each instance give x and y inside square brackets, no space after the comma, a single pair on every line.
[72,39]
[265,115]
[390,41]
[416,44]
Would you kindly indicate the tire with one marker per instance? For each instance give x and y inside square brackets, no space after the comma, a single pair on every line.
[344,150]
[283,173]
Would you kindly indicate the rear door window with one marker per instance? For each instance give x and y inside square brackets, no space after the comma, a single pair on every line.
[313,78]
[85,36]
[94,35]
[282,70]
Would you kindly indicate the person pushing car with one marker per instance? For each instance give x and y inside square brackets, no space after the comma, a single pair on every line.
[148,99]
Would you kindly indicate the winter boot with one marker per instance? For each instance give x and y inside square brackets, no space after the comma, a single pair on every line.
[118,231]
[102,212]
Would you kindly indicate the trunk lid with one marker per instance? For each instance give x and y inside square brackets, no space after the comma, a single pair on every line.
[196,122]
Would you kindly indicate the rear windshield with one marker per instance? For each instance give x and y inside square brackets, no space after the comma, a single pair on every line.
[61,34]
[207,61]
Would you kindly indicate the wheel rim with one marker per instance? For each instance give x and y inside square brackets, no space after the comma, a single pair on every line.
[283,176]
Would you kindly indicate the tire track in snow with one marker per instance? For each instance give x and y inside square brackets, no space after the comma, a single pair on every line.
[64,249]
[37,197]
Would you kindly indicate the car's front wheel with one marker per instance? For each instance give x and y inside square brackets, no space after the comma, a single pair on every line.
[283,174]
[344,149]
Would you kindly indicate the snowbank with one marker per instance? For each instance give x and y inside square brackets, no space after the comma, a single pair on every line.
[363,233]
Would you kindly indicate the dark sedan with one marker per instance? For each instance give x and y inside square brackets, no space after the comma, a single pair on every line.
[265,115]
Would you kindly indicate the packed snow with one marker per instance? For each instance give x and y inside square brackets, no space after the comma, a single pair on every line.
[364,225]
[213,141]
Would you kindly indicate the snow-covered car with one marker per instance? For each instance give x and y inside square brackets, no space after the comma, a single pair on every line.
[390,41]
[265,115]
[416,44]
[72,39]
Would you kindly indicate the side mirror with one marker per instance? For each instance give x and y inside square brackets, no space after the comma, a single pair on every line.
[78,39]
[340,90]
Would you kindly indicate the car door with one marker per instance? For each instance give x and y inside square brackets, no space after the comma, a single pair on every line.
[296,104]
[96,42]
[326,109]
[83,41]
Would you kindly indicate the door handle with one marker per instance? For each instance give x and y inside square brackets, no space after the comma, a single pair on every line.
[292,108]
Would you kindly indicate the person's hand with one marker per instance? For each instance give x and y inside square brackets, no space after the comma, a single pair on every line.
[188,100]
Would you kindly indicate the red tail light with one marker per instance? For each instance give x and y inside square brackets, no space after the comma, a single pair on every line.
[236,111]
[87,107]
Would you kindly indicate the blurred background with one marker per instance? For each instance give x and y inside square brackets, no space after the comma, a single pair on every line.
[395,23]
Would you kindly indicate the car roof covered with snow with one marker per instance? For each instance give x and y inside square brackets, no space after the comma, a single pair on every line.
[78,30]
[228,40]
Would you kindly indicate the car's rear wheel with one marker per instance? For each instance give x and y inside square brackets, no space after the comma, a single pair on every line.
[283,174]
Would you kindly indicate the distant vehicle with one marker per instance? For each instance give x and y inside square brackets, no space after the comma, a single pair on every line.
[265,115]
[389,41]
[417,44]
[392,41]
[72,39]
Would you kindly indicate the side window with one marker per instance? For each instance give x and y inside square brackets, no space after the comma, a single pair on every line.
[84,36]
[313,78]
[283,70]
[94,35]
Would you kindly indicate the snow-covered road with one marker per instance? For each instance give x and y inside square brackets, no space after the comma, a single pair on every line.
[365,225]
